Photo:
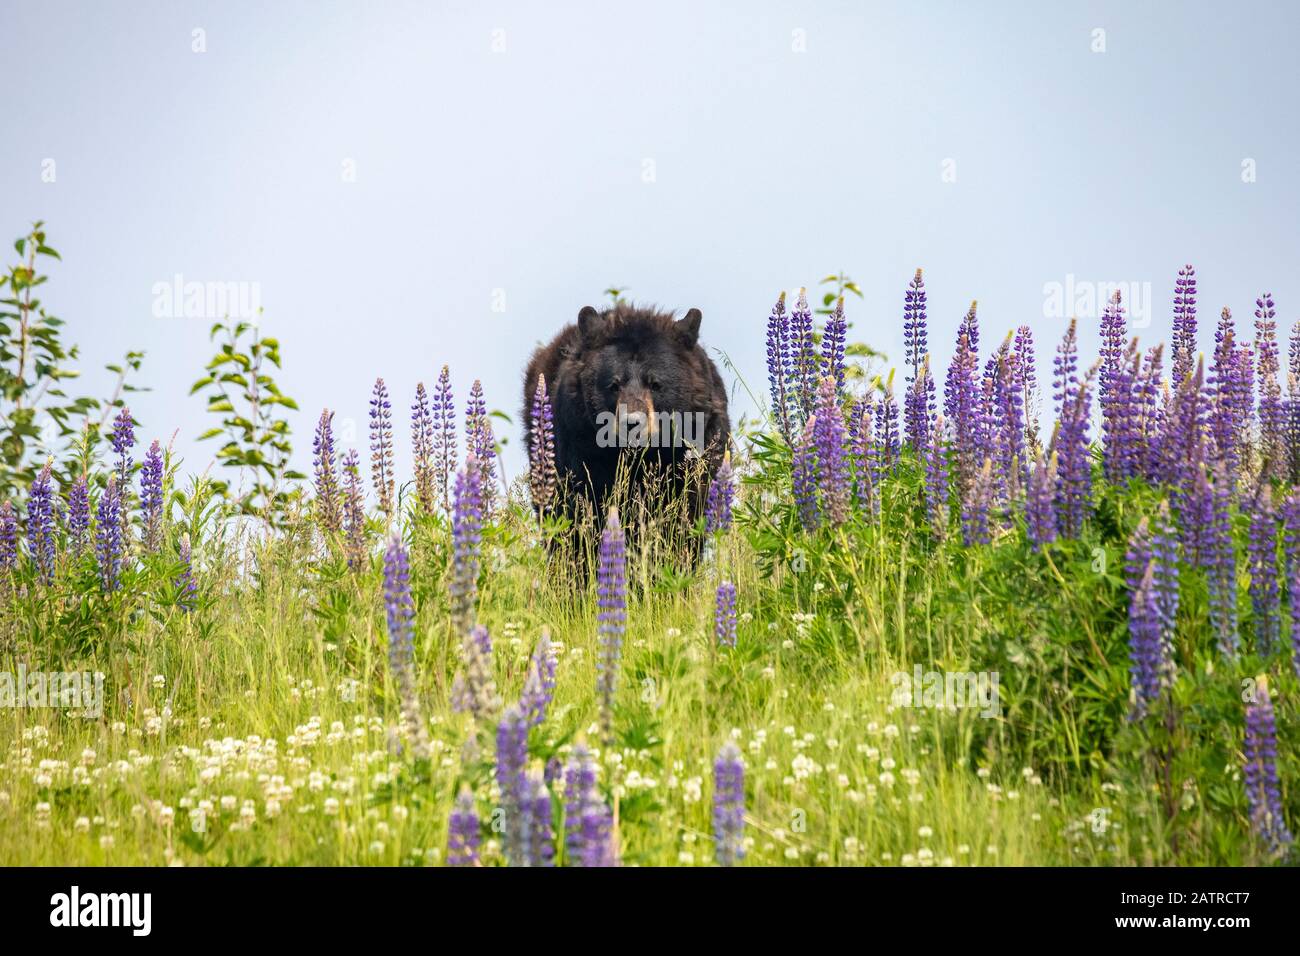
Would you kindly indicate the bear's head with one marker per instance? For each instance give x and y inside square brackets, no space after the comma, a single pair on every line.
[644,380]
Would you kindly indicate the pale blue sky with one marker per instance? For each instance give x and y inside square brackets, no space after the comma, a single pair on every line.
[522,171]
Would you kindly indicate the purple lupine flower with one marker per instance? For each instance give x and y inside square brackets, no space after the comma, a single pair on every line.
[729,805]
[803,361]
[78,517]
[1065,371]
[834,340]
[1219,558]
[1293,405]
[511,767]
[108,545]
[381,448]
[1040,503]
[611,591]
[8,537]
[1233,384]
[467,538]
[1074,460]
[1294,584]
[474,691]
[588,824]
[778,367]
[722,492]
[1263,792]
[861,450]
[918,403]
[1145,647]
[832,466]
[1151,417]
[354,511]
[554,770]
[151,496]
[885,447]
[976,509]
[918,409]
[41,543]
[724,615]
[936,481]
[186,588]
[804,477]
[463,832]
[538,834]
[1273,443]
[1151,569]
[400,611]
[1011,457]
[444,438]
[1119,412]
[1223,387]
[1182,448]
[543,479]
[1194,498]
[1113,340]
[1261,560]
[123,443]
[422,449]
[1290,515]
[962,407]
[482,444]
[1024,351]
[329,504]
[539,682]
[1184,344]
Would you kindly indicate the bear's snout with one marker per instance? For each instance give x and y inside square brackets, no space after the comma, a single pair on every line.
[636,416]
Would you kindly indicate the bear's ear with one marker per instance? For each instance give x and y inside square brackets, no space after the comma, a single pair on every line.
[688,327]
[588,322]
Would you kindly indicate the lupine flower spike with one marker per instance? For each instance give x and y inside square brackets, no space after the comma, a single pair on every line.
[1263,791]
[444,439]
[422,449]
[381,448]
[463,832]
[542,477]
[78,517]
[8,537]
[779,366]
[611,590]
[467,536]
[539,682]
[354,512]
[724,617]
[401,644]
[151,497]
[108,546]
[729,806]
[329,503]
[588,836]
[40,524]
[722,492]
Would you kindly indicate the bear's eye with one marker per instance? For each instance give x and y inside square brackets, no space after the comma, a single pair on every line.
[652,382]
[614,384]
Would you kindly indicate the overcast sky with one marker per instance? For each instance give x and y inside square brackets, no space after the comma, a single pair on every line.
[412,184]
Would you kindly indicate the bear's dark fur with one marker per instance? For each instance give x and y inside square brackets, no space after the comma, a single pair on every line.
[634,367]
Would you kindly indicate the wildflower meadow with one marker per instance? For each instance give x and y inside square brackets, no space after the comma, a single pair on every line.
[993,620]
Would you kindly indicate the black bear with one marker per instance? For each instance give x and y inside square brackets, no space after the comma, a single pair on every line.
[634,396]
